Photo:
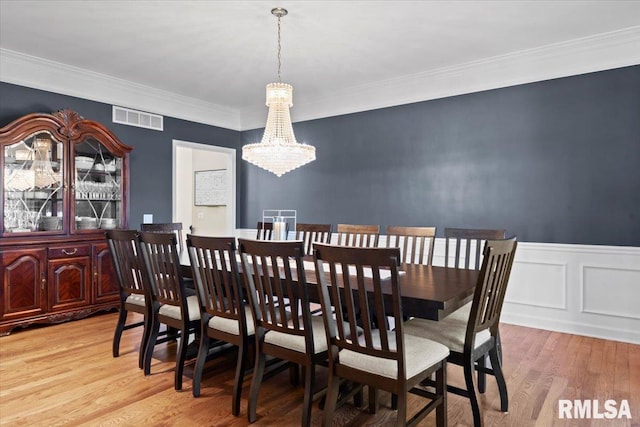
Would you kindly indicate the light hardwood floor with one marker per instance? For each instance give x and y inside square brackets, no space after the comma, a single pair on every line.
[65,375]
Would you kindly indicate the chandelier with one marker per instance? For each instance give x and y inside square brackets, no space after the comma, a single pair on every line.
[279,152]
[40,174]
[44,175]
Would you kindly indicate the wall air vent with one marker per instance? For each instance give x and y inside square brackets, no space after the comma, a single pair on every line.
[126,116]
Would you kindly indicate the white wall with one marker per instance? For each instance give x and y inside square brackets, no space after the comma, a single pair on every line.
[579,289]
[207,220]
[183,174]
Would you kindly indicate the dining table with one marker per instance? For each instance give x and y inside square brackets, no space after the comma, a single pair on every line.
[427,291]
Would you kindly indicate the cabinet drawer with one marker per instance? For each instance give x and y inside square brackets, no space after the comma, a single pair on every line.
[69,250]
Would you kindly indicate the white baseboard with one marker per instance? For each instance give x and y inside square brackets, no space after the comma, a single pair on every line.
[568,327]
[586,290]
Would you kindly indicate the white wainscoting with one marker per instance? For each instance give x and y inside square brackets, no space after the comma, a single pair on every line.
[600,287]
[577,289]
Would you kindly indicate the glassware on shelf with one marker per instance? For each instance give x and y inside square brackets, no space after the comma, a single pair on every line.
[32,182]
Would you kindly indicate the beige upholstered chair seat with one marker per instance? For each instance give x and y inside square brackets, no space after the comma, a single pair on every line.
[173,311]
[450,331]
[231,326]
[462,313]
[296,342]
[420,354]
[136,299]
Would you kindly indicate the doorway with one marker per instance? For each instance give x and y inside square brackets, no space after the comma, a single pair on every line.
[189,157]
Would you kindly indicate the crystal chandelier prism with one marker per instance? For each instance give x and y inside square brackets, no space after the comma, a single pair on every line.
[40,174]
[279,152]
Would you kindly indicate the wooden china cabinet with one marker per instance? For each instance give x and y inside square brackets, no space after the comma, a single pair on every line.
[64,181]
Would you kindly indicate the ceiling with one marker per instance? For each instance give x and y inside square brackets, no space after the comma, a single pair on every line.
[214,58]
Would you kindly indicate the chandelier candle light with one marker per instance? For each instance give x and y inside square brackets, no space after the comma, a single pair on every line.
[279,152]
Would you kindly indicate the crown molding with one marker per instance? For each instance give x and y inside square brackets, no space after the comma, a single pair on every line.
[26,70]
[595,53]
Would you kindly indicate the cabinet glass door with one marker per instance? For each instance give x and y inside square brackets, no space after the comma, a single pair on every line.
[98,192]
[33,184]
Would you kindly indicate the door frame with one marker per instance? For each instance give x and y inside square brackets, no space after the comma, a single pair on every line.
[231,167]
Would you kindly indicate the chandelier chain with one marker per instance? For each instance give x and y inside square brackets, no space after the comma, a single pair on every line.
[279,49]
[278,152]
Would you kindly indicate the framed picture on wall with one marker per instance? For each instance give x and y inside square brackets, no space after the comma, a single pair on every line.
[210,187]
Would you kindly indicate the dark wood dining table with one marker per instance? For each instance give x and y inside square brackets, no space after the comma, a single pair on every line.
[428,292]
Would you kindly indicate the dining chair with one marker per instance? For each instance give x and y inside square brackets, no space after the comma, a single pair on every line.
[265,231]
[133,294]
[415,243]
[166,227]
[225,316]
[364,236]
[171,227]
[472,240]
[381,358]
[471,339]
[312,233]
[275,282]
[170,304]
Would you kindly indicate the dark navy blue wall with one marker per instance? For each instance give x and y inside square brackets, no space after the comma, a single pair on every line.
[151,163]
[553,161]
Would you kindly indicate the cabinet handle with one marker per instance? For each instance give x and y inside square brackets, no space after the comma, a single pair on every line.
[73,252]
[42,283]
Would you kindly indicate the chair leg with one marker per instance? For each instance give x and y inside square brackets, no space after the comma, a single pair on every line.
[401,419]
[148,352]
[373,400]
[394,401]
[202,357]
[172,333]
[241,366]
[498,347]
[122,318]
[358,398]
[294,375]
[482,376]
[441,390]
[469,370]
[258,372]
[331,399]
[181,356]
[502,384]
[146,332]
[309,376]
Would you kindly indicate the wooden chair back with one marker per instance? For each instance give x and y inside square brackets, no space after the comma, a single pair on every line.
[363,236]
[473,239]
[123,248]
[265,231]
[216,275]
[352,278]
[491,289]
[312,233]
[134,294]
[415,243]
[166,227]
[275,282]
[162,269]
